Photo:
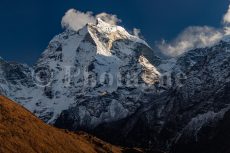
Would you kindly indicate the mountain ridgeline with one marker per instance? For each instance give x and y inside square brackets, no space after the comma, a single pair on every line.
[105,81]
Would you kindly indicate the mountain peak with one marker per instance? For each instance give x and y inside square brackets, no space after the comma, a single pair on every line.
[104,54]
[114,31]
[100,21]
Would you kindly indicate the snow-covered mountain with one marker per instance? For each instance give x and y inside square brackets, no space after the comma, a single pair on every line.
[190,115]
[101,70]
[104,80]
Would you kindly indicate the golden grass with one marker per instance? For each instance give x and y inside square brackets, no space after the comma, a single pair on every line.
[22,132]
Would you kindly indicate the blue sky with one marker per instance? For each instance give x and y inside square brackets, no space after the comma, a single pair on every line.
[27,26]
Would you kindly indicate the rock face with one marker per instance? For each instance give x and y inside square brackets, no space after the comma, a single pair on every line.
[191,115]
[211,138]
[103,80]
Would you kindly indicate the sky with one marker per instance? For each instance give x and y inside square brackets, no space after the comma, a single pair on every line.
[27,26]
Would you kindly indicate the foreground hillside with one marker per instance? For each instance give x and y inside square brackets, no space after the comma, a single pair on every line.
[22,132]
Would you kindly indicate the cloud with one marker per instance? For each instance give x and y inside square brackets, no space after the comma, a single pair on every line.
[226,18]
[190,38]
[195,37]
[226,21]
[136,32]
[109,18]
[75,20]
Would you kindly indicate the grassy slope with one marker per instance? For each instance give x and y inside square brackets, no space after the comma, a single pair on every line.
[22,132]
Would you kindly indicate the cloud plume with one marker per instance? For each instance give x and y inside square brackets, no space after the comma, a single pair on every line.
[195,37]
[226,18]
[190,38]
[136,32]
[75,20]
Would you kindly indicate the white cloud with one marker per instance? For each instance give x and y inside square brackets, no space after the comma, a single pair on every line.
[75,19]
[195,37]
[226,18]
[226,21]
[136,32]
[109,18]
[190,38]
